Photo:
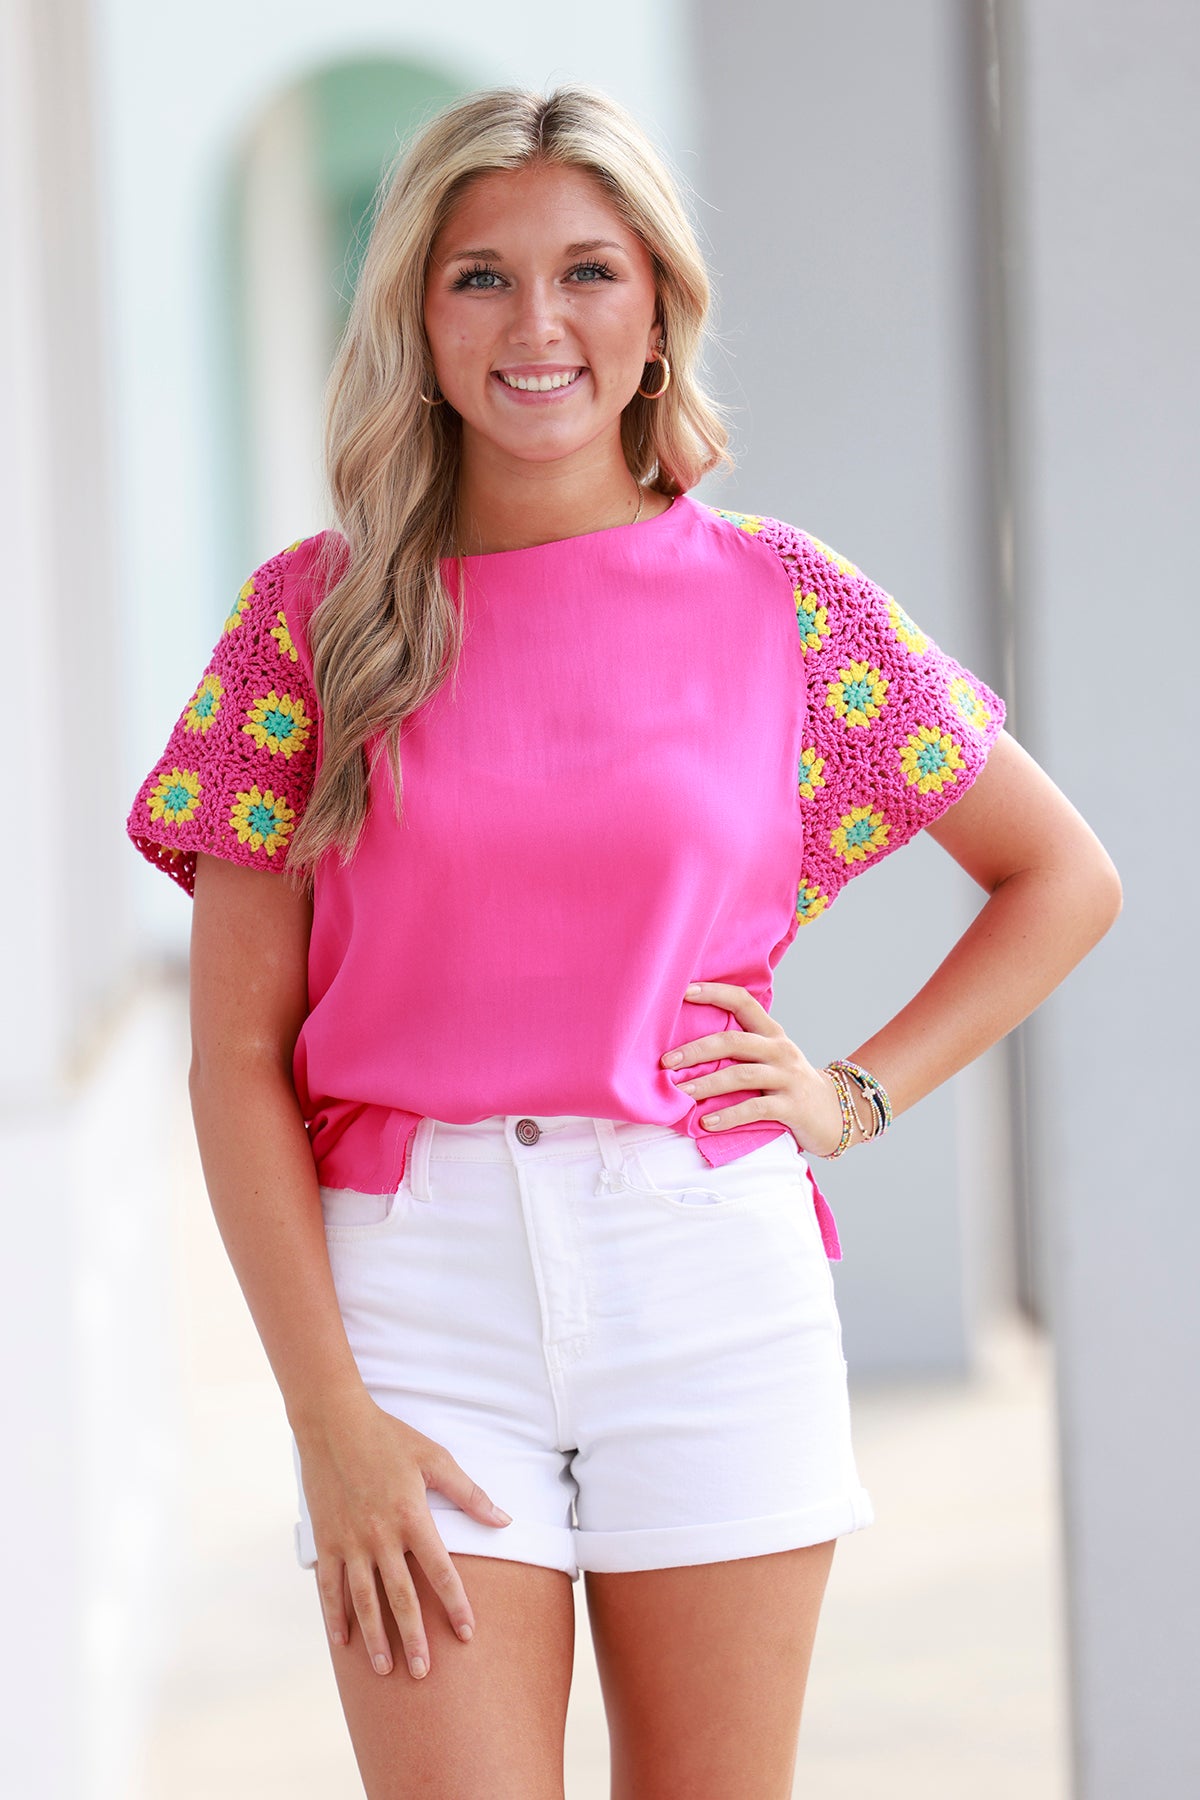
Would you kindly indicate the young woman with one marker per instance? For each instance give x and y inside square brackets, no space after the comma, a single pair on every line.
[506,1149]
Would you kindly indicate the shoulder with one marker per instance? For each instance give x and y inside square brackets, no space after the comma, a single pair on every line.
[280,596]
[784,538]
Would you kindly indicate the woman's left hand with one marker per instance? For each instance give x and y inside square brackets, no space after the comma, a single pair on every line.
[802,1097]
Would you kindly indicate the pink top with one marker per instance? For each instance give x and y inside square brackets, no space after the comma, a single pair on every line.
[671,745]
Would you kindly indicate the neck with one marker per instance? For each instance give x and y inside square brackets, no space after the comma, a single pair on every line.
[541,508]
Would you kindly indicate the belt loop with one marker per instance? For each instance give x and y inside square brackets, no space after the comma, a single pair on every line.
[610,1146]
[418,1153]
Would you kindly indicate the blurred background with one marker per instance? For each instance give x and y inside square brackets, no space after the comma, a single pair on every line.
[954,254]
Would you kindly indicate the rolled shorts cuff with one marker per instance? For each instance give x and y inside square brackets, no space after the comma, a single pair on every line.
[674,1546]
[552,1547]
[622,1552]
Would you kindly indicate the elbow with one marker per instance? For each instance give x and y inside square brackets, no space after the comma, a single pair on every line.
[1096,896]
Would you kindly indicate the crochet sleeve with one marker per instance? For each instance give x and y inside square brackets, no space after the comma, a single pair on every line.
[895,728]
[237,769]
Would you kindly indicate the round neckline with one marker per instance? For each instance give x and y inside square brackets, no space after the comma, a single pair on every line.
[582,537]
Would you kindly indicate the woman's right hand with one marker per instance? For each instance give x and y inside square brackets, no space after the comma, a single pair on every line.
[365,1477]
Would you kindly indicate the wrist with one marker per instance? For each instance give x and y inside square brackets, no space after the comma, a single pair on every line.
[312,1415]
[826,1110]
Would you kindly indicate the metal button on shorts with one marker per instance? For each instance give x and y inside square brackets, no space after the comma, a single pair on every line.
[528,1131]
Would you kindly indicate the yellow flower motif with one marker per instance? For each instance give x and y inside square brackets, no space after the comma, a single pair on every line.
[262,819]
[243,606]
[747,522]
[967,702]
[810,901]
[295,546]
[809,774]
[906,628]
[175,797]
[276,722]
[842,563]
[205,704]
[283,636]
[813,620]
[931,759]
[859,833]
[859,695]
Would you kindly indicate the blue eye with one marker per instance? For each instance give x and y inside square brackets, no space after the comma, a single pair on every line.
[468,275]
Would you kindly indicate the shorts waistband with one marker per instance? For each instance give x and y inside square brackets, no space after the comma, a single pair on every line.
[510,1138]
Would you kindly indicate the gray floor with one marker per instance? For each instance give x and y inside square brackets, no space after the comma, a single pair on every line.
[938,1663]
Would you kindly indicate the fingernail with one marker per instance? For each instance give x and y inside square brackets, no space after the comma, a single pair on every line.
[418,1665]
[464,1632]
[499,1513]
[382,1664]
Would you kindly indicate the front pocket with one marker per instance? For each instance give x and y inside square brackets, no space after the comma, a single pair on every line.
[677,1175]
[349,1214]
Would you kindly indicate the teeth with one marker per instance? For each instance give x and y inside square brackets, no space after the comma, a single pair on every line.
[537,384]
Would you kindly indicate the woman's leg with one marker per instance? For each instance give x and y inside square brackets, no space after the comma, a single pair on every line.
[703,1670]
[489,1718]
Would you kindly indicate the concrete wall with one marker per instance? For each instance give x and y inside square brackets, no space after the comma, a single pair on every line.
[1105,147]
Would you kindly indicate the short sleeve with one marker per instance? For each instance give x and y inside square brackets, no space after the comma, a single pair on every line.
[895,729]
[238,767]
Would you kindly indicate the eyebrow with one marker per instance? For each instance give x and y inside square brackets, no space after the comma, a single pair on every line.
[578,249]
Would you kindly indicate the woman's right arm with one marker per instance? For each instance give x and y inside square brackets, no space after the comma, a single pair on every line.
[248,999]
[366,1470]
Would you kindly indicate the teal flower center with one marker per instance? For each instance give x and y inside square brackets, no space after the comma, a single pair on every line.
[279,724]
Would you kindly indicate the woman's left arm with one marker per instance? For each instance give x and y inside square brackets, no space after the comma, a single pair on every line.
[1053,893]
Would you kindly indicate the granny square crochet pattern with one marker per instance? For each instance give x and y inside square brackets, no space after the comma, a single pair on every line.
[896,729]
[239,765]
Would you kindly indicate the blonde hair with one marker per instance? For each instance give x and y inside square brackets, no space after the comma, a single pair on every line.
[387,632]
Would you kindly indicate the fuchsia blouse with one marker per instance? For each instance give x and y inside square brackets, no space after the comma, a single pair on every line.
[671,745]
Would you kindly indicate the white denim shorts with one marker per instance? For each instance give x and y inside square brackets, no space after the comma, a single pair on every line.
[635,1354]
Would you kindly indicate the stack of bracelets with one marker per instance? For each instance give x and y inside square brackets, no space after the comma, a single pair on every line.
[880,1107]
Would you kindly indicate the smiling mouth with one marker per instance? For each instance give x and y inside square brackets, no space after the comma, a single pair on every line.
[538,384]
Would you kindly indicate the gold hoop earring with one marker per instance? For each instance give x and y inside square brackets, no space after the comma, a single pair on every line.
[429,402]
[666,381]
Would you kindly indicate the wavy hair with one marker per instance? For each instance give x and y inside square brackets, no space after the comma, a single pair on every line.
[387,631]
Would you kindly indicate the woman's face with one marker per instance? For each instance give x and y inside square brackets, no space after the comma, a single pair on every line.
[534,274]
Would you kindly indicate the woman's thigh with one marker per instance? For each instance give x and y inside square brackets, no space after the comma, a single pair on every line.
[703,1670]
[490,1716]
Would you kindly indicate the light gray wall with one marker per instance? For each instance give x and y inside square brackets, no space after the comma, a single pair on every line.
[1106,145]
[841,179]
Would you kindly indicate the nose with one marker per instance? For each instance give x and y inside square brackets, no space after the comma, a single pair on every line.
[537,314]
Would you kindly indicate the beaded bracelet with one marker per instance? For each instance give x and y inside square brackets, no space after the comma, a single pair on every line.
[869,1128]
[873,1088]
[848,1113]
